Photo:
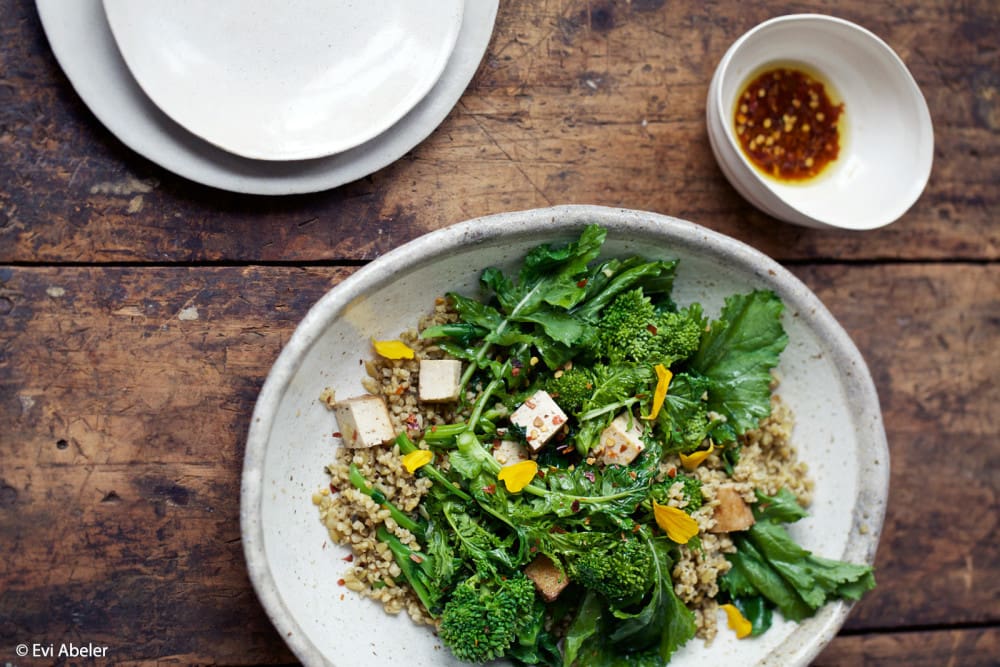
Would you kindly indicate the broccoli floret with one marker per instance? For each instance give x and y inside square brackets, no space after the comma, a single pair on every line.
[483,617]
[620,573]
[571,388]
[625,327]
[631,328]
[678,334]
[690,489]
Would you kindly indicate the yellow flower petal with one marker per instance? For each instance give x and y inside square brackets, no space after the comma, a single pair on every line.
[692,461]
[677,523]
[739,624]
[392,349]
[417,459]
[663,377]
[517,476]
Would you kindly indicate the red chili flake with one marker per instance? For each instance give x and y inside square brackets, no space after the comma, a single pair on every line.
[533,549]
[557,529]
[515,371]
[490,490]
[672,472]
[633,474]
[349,558]
[416,558]
[582,283]
[541,474]
[341,582]
[556,420]
[575,506]
[337,434]
[651,329]
[589,474]
[333,489]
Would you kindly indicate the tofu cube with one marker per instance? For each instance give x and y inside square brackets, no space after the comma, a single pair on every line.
[364,421]
[439,380]
[732,513]
[548,579]
[540,419]
[509,452]
[621,441]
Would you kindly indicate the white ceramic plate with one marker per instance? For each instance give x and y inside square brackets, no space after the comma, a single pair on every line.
[287,80]
[839,428]
[81,39]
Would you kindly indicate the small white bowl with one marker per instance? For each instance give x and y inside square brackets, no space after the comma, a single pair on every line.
[886,142]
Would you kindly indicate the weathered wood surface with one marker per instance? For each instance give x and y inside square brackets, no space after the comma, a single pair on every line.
[948,648]
[576,101]
[125,395]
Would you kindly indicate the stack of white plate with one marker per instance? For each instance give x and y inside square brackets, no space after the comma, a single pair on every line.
[268,97]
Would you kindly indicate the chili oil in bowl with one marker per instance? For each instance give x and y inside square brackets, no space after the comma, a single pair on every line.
[816,121]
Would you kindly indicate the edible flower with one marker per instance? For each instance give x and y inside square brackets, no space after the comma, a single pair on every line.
[517,476]
[663,377]
[417,459]
[392,349]
[739,624]
[692,461]
[677,523]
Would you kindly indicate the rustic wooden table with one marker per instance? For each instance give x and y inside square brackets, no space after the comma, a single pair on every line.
[140,312]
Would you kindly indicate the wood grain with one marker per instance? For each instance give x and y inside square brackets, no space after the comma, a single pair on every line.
[576,101]
[126,394]
[951,648]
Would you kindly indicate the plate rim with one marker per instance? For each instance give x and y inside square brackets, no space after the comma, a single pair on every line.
[873,480]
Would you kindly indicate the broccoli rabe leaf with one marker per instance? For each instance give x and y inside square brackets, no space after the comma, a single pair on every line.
[586,625]
[783,507]
[768,562]
[613,277]
[737,355]
[752,575]
[615,384]
[684,417]
[757,610]
[550,274]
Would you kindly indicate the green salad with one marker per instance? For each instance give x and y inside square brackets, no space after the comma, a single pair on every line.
[592,443]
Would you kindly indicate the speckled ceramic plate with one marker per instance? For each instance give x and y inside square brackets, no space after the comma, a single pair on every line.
[838,429]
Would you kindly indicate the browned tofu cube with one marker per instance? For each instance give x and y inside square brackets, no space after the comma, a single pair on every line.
[549,579]
[732,513]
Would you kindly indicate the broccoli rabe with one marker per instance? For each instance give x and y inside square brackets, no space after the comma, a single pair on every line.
[417,568]
[622,572]
[570,388]
[631,328]
[484,615]
[690,489]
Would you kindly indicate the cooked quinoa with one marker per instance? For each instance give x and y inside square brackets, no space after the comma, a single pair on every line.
[768,461]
